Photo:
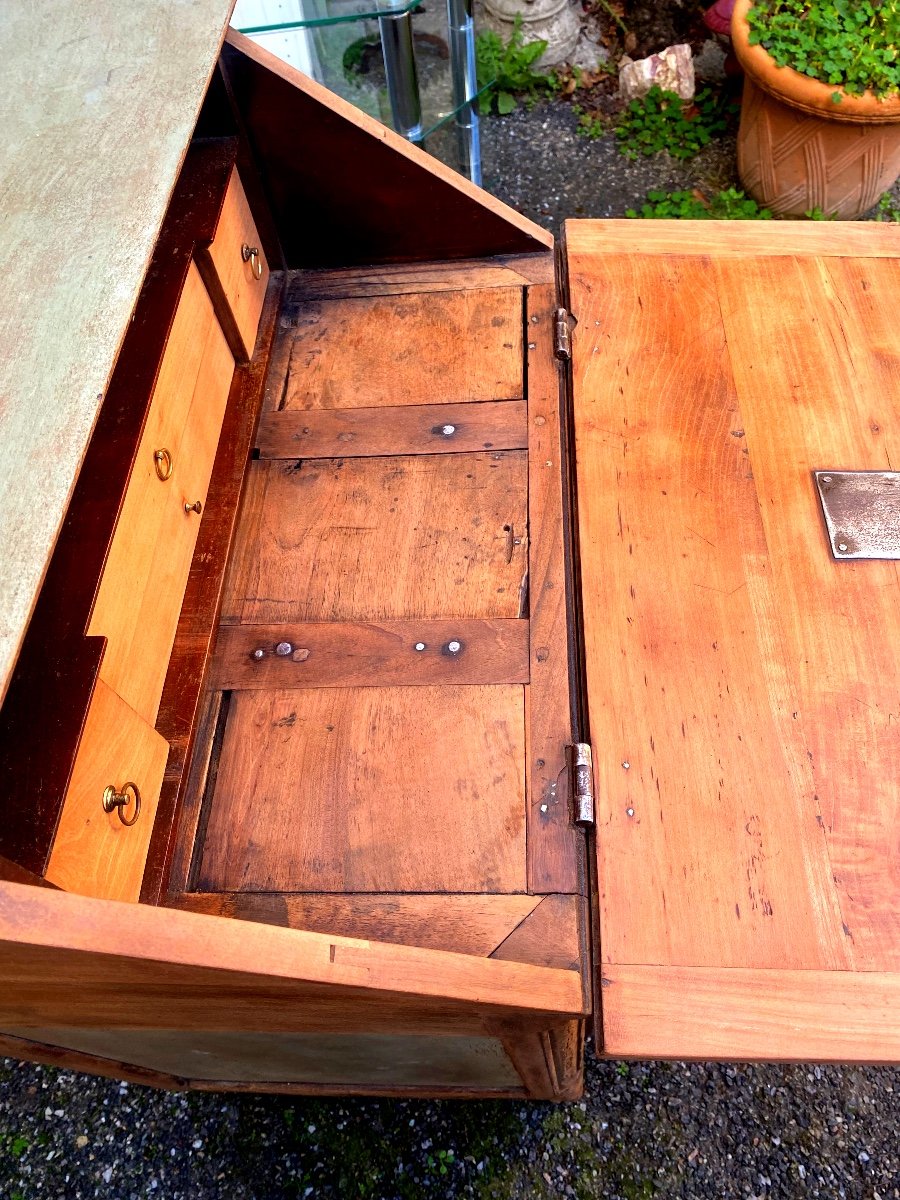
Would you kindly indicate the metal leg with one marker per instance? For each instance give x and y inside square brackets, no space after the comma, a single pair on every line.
[462,62]
[402,77]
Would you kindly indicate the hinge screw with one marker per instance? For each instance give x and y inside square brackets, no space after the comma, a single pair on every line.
[283,649]
[842,546]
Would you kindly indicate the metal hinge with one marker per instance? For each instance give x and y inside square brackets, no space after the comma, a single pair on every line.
[562,345]
[582,783]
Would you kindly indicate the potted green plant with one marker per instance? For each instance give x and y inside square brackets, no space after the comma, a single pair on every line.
[820,120]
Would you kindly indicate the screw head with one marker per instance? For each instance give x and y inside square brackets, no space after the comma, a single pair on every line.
[283,649]
[842,546]
[454,647]
[826,479]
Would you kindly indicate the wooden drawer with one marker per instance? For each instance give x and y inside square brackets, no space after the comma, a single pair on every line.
[146,570]
[94,853]
[235,270]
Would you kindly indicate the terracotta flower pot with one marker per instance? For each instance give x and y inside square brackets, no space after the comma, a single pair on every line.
[798,150]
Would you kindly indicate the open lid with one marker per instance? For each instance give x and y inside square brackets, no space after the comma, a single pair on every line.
[743,671]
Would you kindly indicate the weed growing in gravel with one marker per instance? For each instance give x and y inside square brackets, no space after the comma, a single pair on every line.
[726,205]
[663,121]
[888,208]
[508,68]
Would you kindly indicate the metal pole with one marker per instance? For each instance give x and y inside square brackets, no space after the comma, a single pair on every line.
[402,77]
[462,63]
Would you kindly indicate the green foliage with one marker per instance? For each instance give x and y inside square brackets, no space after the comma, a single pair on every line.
[727,205]
[663,121]
[507,68]
[888,208]
[817,214]
[851,44]
[590,124]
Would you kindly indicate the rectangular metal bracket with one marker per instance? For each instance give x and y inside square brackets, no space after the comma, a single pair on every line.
[582,765]
[862,513]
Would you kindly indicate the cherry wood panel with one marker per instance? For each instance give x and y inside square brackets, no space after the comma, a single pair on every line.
[417,349]
[696,788]
[827,393]
[349,790]
[743,1014]
[468,924]
[316,149]
[352,653]
[553,934]
[737,239]
[241,282]
[93,853]
[97,964]
[395,280]
[387,538]
[147,567]
[418,429]
[556,850]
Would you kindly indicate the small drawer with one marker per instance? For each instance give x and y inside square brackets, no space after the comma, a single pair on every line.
[94,852]
[145,575]
[235,270]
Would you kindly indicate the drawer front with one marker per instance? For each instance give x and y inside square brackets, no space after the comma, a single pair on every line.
[94,853]
[237,262]
[146,571]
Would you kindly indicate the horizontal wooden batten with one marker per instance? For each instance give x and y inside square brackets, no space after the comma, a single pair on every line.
[357,654]
[744,1014]
[376,432]
[397,279]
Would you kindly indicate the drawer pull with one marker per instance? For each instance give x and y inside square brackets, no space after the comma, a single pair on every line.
[162,460]
[116,801]
[251,255]
[196,507]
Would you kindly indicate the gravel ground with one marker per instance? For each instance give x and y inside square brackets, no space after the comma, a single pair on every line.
[643,1130]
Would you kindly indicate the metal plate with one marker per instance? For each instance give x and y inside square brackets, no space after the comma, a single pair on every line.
[862,512]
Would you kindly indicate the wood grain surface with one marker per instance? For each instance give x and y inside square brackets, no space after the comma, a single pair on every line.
[376,432]
[385,538]
[333,790]
[390,350]
[468,924]
[742,685]
[398,279]
[147,567]
[364,654]
[150,76]
[243,282]
[93,853]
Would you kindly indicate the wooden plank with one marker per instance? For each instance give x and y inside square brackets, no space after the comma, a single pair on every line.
[734,239]
[73,1060]
[148,73]
[103,965]
[351,653]
[93,853]
[697,788]
[316,148]
[399,279]
[396,1061]
[827,393]
[553,934]
[313,795]
[377,539]
[556,849]
[241,281]
[179,718]
[467,924]
[370,432]
[418,349]
[146,569]
[743,1014]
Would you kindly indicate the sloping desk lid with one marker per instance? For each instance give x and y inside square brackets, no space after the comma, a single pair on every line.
[743,684]
[101,117]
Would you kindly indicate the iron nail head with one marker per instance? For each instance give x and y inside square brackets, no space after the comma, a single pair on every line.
[448,430]
[283,649]
[842,546]
[258,654]
[454,647]
[630,812]
[420,645]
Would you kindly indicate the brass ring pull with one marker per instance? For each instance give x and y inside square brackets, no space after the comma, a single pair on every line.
[162,460]
[252,255]
[196,507]
[116,801]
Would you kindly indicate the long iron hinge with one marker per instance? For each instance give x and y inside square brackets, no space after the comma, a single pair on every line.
[562,343]
[582,783]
